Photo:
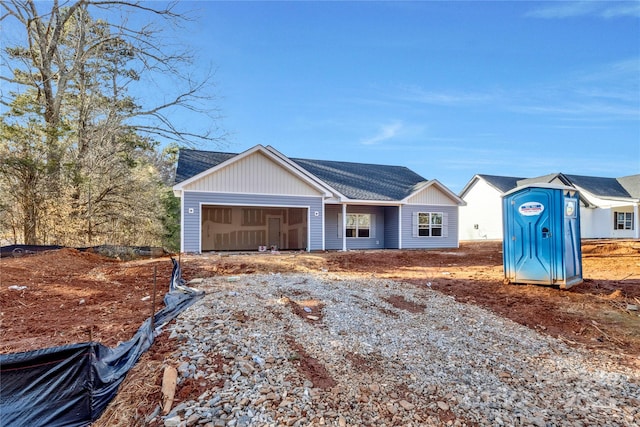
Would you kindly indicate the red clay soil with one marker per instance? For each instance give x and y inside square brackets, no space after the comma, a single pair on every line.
[73,296]
[66,296]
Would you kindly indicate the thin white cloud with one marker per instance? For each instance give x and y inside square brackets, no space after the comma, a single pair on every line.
[385,133]
[609,92]
[626,9]
[452,98]
[570,9]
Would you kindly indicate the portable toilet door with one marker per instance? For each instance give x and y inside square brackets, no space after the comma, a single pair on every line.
[541,243]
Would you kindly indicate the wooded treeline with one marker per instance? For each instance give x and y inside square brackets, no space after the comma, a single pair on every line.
[81,162]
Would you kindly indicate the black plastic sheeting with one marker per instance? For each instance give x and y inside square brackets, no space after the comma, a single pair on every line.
[72,385]
[19,250]
[106,250]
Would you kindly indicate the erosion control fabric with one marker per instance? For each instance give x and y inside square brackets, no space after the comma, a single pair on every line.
[72,385]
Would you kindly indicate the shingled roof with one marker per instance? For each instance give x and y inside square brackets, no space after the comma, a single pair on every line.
[358,181]
[598,186]
[502,183]
[601,187]
[627,187]
[363,181]
[193,162]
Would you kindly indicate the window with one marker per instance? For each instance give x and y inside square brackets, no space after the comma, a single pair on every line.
[430,224]
[623,221]
[358,225]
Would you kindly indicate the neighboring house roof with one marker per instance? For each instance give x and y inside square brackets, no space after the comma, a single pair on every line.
[358,181]
[627,187]
[631,183]
[544,178]
[500,183]
[600,187]
[605,188]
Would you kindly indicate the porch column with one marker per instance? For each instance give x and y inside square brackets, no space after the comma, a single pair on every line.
[636,231]
[400,227]
[344,226]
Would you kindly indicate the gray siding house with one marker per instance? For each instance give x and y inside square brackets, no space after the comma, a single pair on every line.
[261,199]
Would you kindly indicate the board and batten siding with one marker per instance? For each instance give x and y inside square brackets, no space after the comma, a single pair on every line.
[430,196]
[254,174]
[448,241]
[193,200]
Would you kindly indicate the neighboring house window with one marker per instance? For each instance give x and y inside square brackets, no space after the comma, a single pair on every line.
[430,224]
[358,225]
[623,221]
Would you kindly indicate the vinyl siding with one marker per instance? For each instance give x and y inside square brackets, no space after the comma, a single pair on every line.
[333,229]
[193,200]
[411,242]
[391,225]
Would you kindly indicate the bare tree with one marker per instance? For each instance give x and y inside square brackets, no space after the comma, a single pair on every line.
[77,72]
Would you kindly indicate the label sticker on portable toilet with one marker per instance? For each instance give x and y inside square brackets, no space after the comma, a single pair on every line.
[570,209]
[531,208]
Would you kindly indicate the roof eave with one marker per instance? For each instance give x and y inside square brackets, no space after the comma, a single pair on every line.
[274,155]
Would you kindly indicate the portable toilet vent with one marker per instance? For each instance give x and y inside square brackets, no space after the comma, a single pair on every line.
[541,243]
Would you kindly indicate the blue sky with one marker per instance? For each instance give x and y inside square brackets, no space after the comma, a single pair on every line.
[448,89]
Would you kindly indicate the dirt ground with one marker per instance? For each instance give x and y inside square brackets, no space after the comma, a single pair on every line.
[66,296]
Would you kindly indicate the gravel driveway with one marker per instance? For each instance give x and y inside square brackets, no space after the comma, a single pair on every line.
[322,349]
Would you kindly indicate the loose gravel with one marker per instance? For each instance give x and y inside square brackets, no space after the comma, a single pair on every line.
[322,349]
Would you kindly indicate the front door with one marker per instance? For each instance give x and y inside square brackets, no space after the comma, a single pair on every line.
[274,232]
[532,237]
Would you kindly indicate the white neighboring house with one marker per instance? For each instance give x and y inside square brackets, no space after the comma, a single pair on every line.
[608,208]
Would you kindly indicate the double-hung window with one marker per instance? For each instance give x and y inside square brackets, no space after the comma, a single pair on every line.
[358,225]
[623,221]
[430,224]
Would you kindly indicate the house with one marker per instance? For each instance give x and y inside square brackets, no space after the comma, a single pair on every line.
[608,206]
[262,199]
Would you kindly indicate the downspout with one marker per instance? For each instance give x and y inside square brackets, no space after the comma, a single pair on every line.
[344,227]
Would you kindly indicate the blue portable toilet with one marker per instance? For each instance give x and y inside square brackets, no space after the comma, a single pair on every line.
[541,240]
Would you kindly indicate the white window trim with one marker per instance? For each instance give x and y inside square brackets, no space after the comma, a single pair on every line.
[624,220]
[372,228]
[444,226]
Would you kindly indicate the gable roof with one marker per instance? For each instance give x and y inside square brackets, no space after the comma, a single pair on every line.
[601,187]
[627,187]
[357,181]
[361,181]
[500,183]
[605,188]
[631,183]
[193,162]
